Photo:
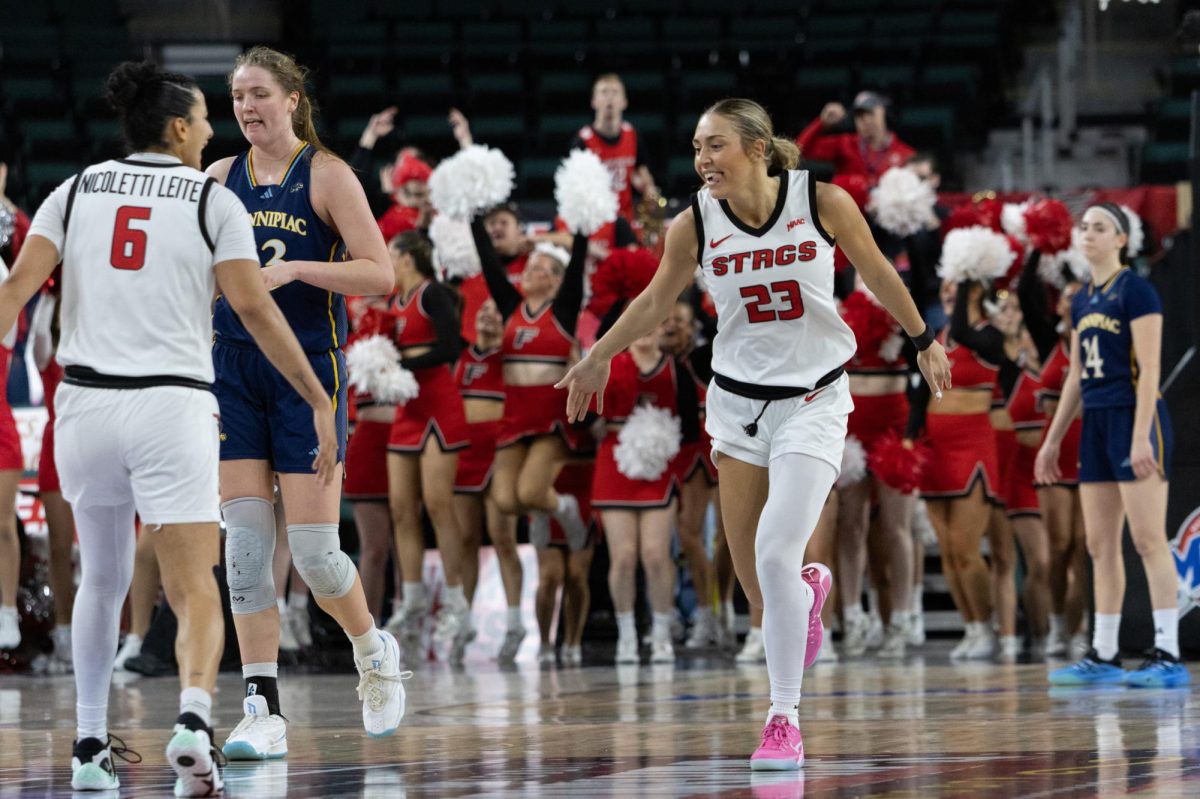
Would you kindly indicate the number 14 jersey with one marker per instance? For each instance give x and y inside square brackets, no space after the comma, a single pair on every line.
[777,318]
[1101,316]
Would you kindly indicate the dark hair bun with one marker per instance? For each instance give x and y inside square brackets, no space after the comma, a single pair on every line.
[128,82]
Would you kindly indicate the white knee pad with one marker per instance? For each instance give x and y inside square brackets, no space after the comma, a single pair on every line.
[249,550]
[317,553]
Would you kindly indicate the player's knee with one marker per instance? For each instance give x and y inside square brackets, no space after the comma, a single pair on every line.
[249,549]
[530,495]
[317,553]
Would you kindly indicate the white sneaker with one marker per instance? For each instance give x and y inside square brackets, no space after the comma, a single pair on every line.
[260,735]
[453,622]
[662,651]
[458,647]
[894,639]
[854,643]
[704,631]
[381,688]
[1080,644]
[874,638]
[572,523]
[10,628]
[539,530]
[1056,646]
[960,650]
[627,650]
[916,628]
[753,650]
[298,620]
[406,623]
[191,754]
[827,654]
[287,638]
[130,649]
[546,656]
[1010,649]
[93,767]
[983,647]
[512,644]
[572,655]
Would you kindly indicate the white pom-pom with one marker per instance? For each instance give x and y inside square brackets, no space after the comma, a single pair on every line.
[373,364]
[902,203]
[854,463]
[889,350]
[454,253]
[470,180]
[1137,232]
[1012,219]
[974,253]
[647,443]
[1053,269]
[584,193]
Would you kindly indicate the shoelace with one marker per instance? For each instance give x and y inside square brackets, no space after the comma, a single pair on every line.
[372,684]
[776,733]
[122,750]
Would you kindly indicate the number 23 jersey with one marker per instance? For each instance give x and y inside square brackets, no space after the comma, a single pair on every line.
[777,318]
[1101,316]
[287,228]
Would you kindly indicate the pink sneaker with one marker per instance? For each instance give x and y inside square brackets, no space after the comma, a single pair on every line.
[782,747]
[821,581]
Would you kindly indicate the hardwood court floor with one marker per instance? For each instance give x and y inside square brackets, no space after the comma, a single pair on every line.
[918,728]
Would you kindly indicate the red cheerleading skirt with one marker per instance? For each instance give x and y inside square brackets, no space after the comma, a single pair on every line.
[696,457]
[875,416]
[10,441]
[47,474]
[576,479]
[366,461]
[962,451]
[1020,494]
[612,490]
[474,473]
[437,409]
[1006,448]
[1068,454]
[532,411]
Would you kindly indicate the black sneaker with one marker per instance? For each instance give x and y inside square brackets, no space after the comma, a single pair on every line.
[92,766]
[195,760]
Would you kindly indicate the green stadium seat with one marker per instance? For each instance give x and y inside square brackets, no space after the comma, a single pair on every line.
[782,6]
[951,82]
[829,27]
[548,37]
[681,178]
[700,31]
[437,87]
[831,80]
[887,76]
[30,89]
[858,6]
[904,23]
[427,126]
[461,9]
[553,127]
[927,124]
[498,131]
[405,9]
[555,86]
[535,176]
[756,33]
[969,21]
[533,9]
[349,84]
[624,30]
[591,9]
[648,124]
[44,176]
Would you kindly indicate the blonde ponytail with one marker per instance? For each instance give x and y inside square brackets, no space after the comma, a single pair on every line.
[782,154]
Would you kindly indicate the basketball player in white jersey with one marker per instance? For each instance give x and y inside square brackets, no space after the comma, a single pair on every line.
[764,234]
[144,241]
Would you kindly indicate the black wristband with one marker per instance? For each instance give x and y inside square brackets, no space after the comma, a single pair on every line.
[923,340]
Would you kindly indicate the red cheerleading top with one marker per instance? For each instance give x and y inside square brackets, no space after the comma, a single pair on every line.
[413,326]
[619,156]
[1023,402]
[1054,373]
[479,374]
[629,387]
[536,338]
[967,370]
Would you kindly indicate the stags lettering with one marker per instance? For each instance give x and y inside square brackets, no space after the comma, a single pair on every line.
[755,260]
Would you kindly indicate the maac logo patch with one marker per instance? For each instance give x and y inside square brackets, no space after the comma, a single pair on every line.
[1186,551]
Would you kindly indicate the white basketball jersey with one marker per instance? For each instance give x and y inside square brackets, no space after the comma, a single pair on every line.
[777,319]
[140,240]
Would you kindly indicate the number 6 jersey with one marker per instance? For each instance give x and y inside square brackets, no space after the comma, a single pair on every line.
[777,318]
[139,238]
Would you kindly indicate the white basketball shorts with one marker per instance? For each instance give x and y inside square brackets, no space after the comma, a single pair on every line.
[155,447]
[811,424]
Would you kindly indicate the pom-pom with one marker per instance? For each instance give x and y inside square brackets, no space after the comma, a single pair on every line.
[889,350]
[647,443]
[584,193]
[1065,265]
[871,323]
[373,364]
[896,465]
[903,203]
[621,277]
[854,463]
[1012,220]
[471,180]
[963,215]
[454,253]
[856,186]
[1006,281]
[1048,226]
[990,209]
[975,253]
[1137,232]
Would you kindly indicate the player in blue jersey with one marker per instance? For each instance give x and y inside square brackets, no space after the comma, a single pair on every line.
[1124,451]
[317,242]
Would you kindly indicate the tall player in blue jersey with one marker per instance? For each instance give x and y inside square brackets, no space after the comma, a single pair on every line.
[1124,451]
[305,205]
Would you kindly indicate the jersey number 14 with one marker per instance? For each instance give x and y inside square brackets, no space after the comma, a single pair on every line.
[1091,358]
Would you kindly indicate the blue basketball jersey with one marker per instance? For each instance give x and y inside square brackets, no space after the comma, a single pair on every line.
[286,228]
[1101,316]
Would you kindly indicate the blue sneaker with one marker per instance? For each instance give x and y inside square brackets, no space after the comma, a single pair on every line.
[1090,671]
[1159,670]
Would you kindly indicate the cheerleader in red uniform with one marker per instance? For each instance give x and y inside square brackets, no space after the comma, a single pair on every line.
[962,475]
[12,463]
[426,437]
[538,346]
[480,378]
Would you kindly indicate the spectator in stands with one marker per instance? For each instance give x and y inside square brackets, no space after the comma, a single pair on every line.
[870,151]
[614,141]
[400,198]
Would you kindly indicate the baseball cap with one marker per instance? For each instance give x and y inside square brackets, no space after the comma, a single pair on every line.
[868,100]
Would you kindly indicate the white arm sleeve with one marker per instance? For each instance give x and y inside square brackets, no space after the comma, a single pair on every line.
[228,224]
[48,221]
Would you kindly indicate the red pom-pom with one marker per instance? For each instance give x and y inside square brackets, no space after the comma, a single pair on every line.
[990,210]
[1048,225]
[856,186]
[896,465]
[869,321]
[1014,268]
[621,276]
[962,215]
[373,321]
[621,392]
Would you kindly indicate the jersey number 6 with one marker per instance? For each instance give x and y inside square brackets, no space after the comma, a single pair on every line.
[129,243]
[788,292]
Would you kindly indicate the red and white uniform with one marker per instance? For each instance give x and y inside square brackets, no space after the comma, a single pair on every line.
[575,478]
[1054,374]
[620,157]
[437,409]
[963,446]
[1020,495]
[479,375]
[366,451]
[474,293]
[538,410]
[10,439]
[627,389]
[875,416]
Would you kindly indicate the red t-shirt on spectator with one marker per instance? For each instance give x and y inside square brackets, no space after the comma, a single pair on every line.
[619,155]
[850,154]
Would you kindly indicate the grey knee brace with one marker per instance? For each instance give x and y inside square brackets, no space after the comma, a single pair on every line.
[317,553]
[249,550]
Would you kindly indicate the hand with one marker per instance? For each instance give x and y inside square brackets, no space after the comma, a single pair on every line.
[378,126]
[1045,467]
[461,128]
[325,464]
[832,114]
[935,366]
[598,250]
[1141,457]
[585,380]
[907,443]
[279,274]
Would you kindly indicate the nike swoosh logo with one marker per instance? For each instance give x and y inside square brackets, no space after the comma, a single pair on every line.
[813,396]
[718,242]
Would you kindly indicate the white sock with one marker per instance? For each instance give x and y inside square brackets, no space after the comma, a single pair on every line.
[754,633]
[563,505]
[1166,630]
[10,611]
[366,645]
[198,701]
[414,594]
[626,628]
[853,614]
[918,599]
[660,628]
[282,605]
[873,603]
[455,596]
[1058,623]
[260,670]
[1104,638]
[727,613]
[62,637]
[900,619]
[787,709]
[91,721]
[703,614]
[513,617]
[297,600]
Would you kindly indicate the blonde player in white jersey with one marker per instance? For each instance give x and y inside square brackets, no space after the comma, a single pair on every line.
[144,241]
[764,234]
